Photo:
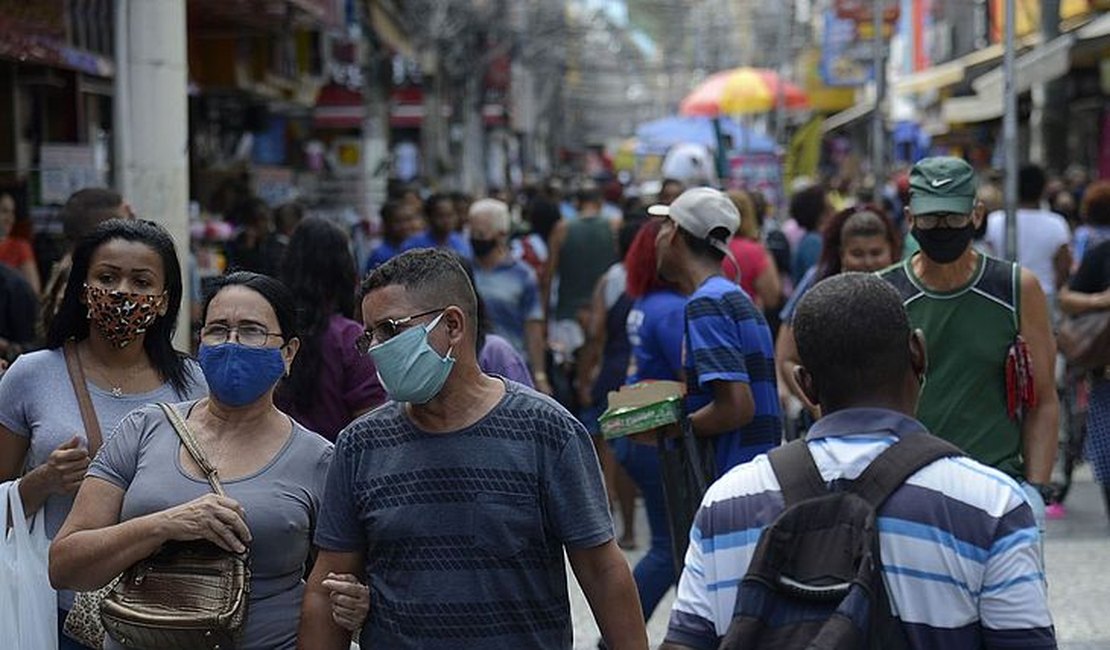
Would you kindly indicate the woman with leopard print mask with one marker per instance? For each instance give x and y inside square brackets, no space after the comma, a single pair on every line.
[117,317]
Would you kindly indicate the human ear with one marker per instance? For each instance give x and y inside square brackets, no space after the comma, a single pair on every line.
[809,388]
[289,353]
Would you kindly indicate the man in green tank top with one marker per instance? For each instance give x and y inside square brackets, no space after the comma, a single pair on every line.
[982,391]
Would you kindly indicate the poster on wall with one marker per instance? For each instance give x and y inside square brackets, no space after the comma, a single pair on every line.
[66,168]
[761,172]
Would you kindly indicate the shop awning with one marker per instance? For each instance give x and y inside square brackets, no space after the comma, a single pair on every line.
[934,78]
[946,74]
[848,116]
[1037,66]
[1097,28]
[972,109]
[387,26]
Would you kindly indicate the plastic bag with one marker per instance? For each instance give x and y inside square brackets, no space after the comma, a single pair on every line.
[28,604]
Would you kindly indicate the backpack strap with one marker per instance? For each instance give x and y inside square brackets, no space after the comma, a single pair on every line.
[797,474]
[897,463]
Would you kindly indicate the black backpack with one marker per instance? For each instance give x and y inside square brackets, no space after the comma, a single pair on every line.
[815,580]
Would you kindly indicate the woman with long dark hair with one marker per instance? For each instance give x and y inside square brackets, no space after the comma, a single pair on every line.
[330,384]
[117,315]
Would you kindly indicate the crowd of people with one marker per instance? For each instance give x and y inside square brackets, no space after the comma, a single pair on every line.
[409,431]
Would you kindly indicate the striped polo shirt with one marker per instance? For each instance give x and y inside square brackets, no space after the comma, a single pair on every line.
[727,339]
[960,549]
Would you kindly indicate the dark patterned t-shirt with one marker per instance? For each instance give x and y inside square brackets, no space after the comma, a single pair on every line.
[463,532]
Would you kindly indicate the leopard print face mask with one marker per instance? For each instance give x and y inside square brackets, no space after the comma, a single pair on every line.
[121,316]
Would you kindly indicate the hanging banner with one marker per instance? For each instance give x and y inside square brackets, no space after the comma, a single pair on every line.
[845,60]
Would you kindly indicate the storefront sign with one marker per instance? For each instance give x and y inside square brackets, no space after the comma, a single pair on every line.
[845,60]
[66,168]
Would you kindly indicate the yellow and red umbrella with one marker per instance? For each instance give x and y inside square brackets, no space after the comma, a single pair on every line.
[741,91]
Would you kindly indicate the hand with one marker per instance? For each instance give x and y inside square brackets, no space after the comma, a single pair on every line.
[350,600]
[543,385]
[65,468]
[217,519]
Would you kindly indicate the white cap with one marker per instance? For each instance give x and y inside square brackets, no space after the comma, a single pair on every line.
[700,211]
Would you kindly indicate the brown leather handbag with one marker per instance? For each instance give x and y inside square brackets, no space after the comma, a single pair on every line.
[1084,340]
[189,595]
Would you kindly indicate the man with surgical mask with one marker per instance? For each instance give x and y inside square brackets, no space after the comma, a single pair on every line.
[508,287]
[456,501]
[990,386]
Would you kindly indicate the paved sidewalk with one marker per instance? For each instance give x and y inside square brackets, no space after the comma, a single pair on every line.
[1077,559]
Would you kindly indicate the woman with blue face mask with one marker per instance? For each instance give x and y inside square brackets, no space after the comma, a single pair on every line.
[144,489]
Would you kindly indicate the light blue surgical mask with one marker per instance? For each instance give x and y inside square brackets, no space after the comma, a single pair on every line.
[409,367]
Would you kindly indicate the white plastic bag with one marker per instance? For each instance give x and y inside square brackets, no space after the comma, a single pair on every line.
[28,604]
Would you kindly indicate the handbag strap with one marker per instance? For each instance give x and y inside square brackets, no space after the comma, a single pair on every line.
[193,448]
[84,401]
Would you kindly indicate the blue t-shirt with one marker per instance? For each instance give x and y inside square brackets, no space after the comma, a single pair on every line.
[382,254]
[455,242]
[511,294]
[727,339]
[464,532]
[806,256]
[655,332]
[800,289]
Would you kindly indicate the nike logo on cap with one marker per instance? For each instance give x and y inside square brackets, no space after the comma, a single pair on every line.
[941,182]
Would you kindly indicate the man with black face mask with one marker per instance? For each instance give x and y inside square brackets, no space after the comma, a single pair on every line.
[508,287]
[990,387]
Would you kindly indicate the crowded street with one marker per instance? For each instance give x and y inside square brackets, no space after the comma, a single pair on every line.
[554,324]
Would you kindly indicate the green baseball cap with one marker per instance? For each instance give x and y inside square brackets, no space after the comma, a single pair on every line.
[942,184]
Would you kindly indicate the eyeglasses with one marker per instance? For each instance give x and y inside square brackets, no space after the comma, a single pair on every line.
[387,329]
[252,336]
[949,220]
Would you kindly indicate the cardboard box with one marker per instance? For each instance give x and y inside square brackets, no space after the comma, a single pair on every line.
[641,407]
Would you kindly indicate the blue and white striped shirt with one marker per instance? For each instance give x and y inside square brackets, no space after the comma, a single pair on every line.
[960,549]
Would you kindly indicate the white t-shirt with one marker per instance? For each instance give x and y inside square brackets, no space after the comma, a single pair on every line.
[1040,235]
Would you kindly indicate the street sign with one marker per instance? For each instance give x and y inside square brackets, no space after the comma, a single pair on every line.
[862,11]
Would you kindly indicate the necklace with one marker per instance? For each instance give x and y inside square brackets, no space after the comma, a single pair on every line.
[116,387]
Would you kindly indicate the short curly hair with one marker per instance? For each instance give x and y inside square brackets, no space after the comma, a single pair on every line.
[853,337]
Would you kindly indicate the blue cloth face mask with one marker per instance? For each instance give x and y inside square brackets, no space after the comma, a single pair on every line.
[409,367]
[239,374]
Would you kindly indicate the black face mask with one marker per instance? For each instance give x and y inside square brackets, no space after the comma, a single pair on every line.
[944,245]
[482,247]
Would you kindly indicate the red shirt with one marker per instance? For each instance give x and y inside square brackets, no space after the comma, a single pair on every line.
[15,252]
[752,258]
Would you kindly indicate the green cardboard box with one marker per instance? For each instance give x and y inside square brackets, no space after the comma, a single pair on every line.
[641,407]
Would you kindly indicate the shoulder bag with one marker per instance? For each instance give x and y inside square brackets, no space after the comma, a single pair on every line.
[1085,339]
[83,619]
[189,594]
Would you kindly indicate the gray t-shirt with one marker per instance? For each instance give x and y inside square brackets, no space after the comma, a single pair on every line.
[464,532]
[37,402]
[281,501]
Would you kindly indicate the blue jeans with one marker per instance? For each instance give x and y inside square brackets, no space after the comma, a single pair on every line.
[654,573]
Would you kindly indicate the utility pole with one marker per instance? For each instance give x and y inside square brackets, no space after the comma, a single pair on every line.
[151,120]
[375,126]
[878,119]
[1009,134]
[785,20]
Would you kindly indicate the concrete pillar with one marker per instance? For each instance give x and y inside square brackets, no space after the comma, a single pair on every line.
[152,122]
